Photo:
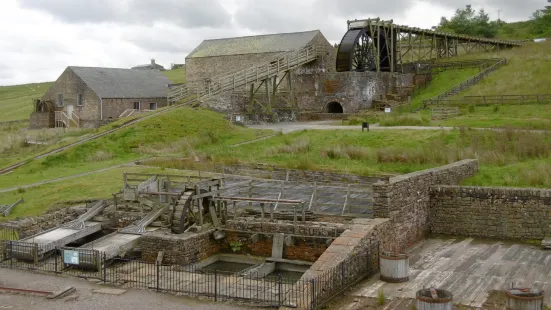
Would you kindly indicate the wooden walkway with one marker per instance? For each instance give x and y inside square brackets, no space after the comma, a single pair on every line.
[470,269]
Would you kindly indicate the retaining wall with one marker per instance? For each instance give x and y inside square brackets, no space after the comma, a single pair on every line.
[405,200]
[30,226]
[489,212]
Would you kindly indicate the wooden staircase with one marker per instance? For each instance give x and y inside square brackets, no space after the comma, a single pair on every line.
[185,94]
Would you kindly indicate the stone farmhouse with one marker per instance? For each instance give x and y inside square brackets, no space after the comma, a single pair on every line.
[90,97]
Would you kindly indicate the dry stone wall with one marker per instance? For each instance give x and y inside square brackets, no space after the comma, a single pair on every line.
[30,226]
[178,249]
[503,213]
[405,199]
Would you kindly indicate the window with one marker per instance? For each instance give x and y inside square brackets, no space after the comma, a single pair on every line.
[59,101]
[153,106]
[137,105]
[80,100]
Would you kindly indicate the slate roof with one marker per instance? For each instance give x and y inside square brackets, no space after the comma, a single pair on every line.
[270,43]
[124,83]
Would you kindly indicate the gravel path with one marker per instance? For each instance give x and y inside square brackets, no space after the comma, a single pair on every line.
[287,127]
[84,298]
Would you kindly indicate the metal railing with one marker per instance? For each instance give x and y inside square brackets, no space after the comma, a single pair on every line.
[231,81]
[246,285]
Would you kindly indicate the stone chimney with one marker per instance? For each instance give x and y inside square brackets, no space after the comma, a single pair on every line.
[152,61]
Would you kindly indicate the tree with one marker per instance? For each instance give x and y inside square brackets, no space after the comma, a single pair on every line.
[466,21]
[541,22]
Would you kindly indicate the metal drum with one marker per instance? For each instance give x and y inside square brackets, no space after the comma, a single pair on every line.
[394,267]
[434,299]
[524,299]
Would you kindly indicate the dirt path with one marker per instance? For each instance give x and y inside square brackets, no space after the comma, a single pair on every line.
[86,298]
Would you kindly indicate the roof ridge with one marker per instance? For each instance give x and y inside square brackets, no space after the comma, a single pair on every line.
[262,35]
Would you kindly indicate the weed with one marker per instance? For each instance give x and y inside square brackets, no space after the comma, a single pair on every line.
[471,108]
[496,108]
[236,246]
[21,190]
[381,297]
[298,146]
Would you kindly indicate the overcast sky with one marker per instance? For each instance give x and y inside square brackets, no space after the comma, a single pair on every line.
[39,38]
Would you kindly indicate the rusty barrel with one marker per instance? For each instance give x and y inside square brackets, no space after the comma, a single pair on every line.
[524,299]
[394,267]
[434,299]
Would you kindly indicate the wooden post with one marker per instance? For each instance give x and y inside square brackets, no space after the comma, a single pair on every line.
[250,193]
[234,209]
[251,99]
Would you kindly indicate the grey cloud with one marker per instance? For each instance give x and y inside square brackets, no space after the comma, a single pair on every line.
[159,45]
[185,13]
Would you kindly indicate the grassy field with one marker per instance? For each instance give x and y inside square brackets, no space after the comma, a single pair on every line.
[398,152]
[181,132]
[176,75]
[527,71]
[16,101]
[98,185]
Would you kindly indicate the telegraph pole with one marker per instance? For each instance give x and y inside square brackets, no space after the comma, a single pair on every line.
[499,15]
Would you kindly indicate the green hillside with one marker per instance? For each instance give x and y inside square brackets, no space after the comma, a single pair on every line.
[16,101]
[176,75]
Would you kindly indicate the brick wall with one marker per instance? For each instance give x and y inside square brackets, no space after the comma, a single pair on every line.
[504,213]
[405,199]
[70,85]
[113,108]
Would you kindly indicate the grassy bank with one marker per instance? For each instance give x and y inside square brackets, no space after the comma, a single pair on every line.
[182,132]
[16,101]
[397,152]
[176,75]
[94,186]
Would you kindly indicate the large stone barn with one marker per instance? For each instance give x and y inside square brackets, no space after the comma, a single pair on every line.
[253,79]
[91,96]
[222,56]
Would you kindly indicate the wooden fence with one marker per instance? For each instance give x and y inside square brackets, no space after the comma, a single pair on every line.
[495,99]
[465,84]
[439,113]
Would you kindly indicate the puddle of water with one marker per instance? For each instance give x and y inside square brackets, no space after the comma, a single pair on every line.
[226,267]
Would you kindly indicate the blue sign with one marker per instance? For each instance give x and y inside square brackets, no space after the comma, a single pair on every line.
[70,257]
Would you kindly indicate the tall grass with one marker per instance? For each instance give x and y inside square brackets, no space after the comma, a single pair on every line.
[298,146]
[404,120]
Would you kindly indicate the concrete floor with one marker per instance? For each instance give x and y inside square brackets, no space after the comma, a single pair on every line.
[469,268]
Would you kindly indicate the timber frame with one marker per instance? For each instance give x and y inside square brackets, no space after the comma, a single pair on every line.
[272,91]
[408,44]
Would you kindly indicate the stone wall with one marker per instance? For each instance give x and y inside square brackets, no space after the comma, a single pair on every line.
[30,226]
[178,249]
[41,120]
[487,212]
[113,108]
[405,199]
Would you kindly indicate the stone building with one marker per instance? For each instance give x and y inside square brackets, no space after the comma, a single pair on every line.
[151,66]
[312,89]
[90,96]
[222,56]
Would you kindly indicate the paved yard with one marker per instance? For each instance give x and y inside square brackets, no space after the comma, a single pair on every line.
[84,298]
[470,269]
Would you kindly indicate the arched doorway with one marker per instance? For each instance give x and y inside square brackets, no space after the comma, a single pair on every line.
[334,107]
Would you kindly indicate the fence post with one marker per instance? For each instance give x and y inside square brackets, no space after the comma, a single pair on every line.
[55,258]
[158,269]
[313,292]
[342,274]
[104,264]
[11,254]
[215,285]
[280,289]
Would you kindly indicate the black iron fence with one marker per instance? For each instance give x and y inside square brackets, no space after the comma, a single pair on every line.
[255,285]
